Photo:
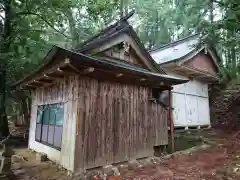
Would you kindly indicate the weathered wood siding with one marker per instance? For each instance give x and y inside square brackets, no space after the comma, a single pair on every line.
[115,123]
[103,122]
[203,62]
[62,91]
[119,53]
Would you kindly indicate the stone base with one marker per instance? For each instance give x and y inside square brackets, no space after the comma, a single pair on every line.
[41,157]
[7,176]
[160,150]
[133,164]
[110,170]
[3,177]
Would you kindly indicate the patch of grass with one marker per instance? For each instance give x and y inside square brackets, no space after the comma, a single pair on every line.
[184,142]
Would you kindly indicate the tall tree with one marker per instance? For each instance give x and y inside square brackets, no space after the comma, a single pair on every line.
[4,49]
[23,24]
[29,28]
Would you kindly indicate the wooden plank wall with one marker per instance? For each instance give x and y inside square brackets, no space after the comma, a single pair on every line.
[203,62]
[116,123]
[63,91]
[104,122]
[120,54]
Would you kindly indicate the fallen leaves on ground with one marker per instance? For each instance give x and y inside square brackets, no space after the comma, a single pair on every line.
[219,162]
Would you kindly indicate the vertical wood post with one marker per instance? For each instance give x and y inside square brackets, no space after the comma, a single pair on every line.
[171,119]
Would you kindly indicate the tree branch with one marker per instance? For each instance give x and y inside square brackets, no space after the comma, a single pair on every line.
[1,17]
[2,7]
[219,3]
[43,19]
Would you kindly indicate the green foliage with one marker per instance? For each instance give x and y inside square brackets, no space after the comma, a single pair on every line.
[167,20]
[28,30]
[35,25]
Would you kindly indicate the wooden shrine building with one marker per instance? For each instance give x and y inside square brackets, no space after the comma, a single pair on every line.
[93,106]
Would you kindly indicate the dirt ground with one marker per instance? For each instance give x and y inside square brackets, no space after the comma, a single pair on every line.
[219,162]
[25,167]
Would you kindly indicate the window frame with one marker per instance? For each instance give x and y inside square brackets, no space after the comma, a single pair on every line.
[40,122]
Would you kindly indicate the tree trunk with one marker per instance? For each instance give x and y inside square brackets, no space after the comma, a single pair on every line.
[211,19]
[72,27]
[234,60]
[211,9]
[4,51]
[26,110]
[3,116]
[121,8]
